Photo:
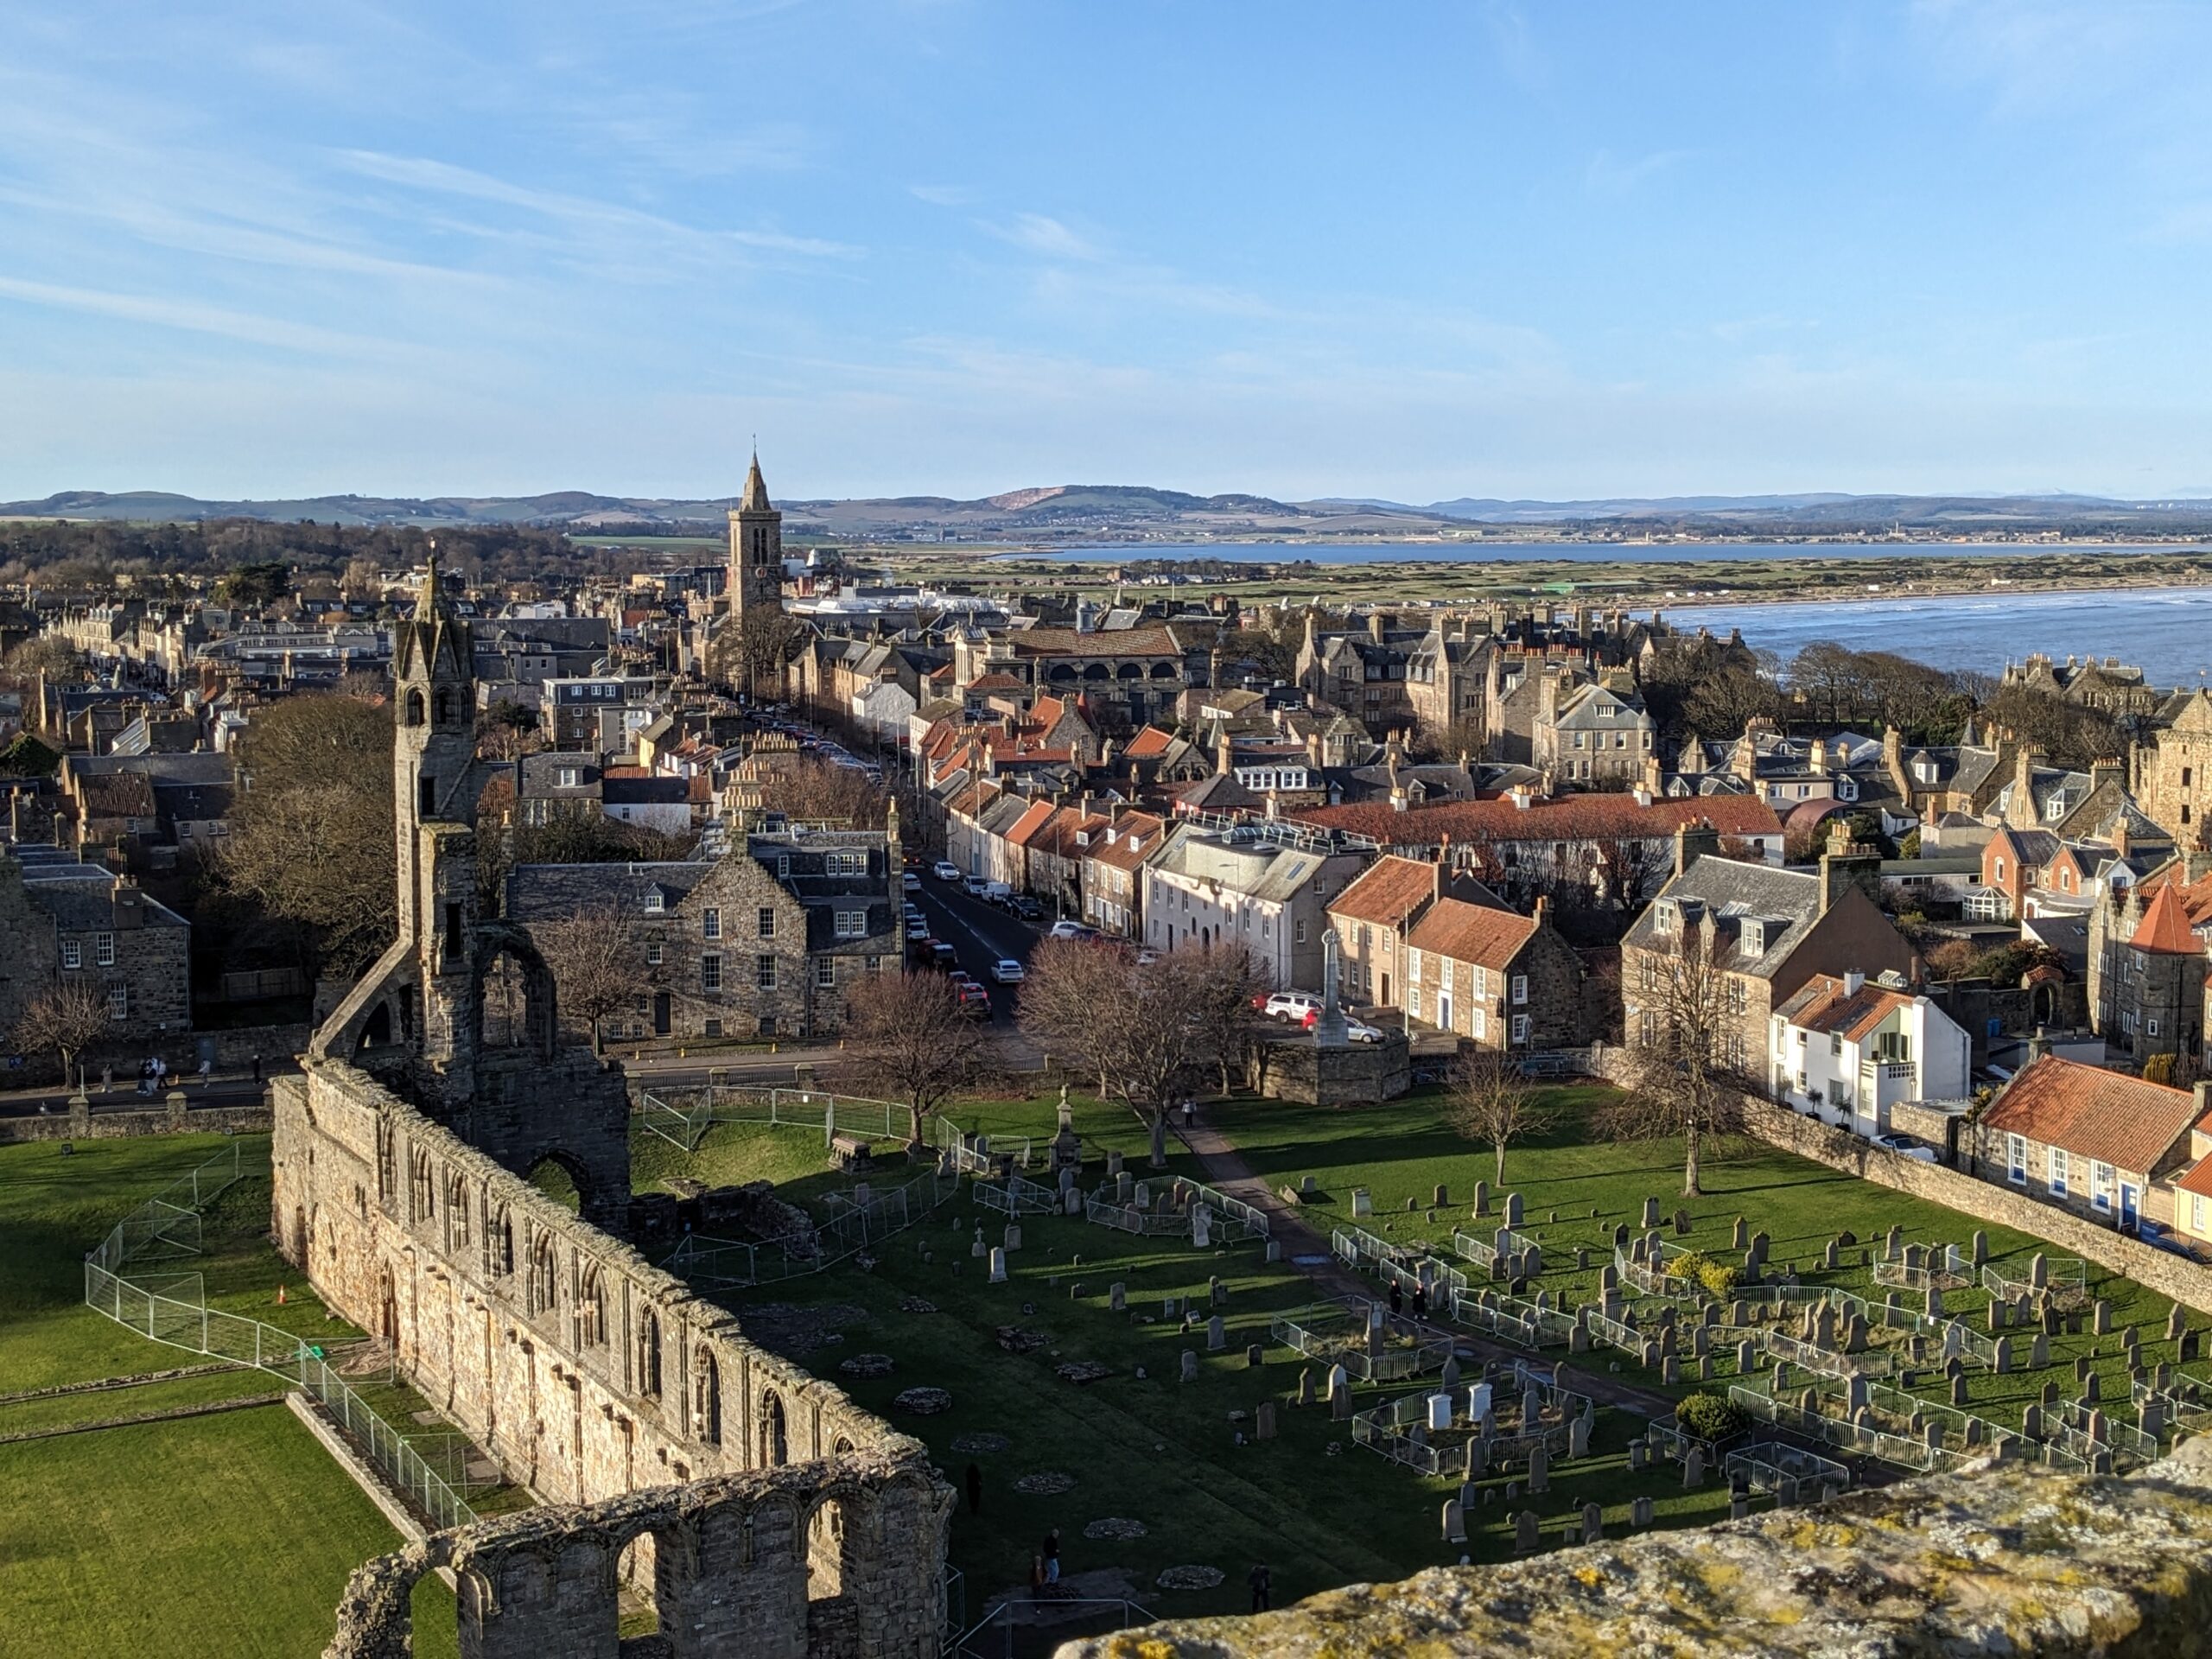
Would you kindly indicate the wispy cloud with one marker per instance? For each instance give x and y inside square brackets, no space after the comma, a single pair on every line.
[582,214]
[1040,234]
[1609,175]
[192,316]
[942,195]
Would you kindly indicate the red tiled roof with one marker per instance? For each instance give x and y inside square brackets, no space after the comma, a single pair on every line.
[1571,819]
[1387,891]
[1822,1006]
[1137,837]
[2105,1116]
[995,682]
[1473,933]
[1151,742]
[2166,926]
[1029,824]
[2197,1178]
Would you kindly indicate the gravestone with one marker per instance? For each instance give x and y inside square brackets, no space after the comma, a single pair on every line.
[2039,1352]
[978,1249]
[1593,1524]
[2093,1388]
[2175,1322]
[1273,1252]
[1639,1512]
[2152,1418]
[1012,1240]
[2191,1346]
[1747,1356]
[1637,1454]
[2038,1272]
[998,1265]
[2101,1318]
[1202,1226]
[1693,1468]
[1190,1366]
[1117,1297]
[1263,1421]
[1513,1210]
[1362,1205]
[1682,1224]
[1306,1387]
[1893,1245]
[1828,1255]
[1440,1411]
[1455,1530]
[1578,1435]
[1959,1391]
[1980,1247]
[1620,1236]
[1113,1164]
[1217,1335]
[1540,1469]
[1477,1458]
[1739,1235]
[2003,1363]
[1340,1384]
[1650,1219]
[1440,1199]
[1670,1371]
[1217,1293]
[1482,1200]
[1254,1356]
[1124,1186]
[1526,1540]
[1448,1378]
[1933,1303]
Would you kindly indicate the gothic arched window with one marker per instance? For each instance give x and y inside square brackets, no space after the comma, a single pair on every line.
[415,708]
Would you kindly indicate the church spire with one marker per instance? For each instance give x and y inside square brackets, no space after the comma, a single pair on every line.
[755,498]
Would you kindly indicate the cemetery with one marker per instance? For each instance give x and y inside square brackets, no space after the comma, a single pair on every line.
[1167,1404]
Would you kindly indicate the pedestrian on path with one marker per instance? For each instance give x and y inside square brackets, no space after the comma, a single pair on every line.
[1261,1582]
[1052,1556]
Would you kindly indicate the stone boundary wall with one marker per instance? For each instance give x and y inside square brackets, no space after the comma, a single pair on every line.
[2170,1276]
[585,1370]
[136,1122]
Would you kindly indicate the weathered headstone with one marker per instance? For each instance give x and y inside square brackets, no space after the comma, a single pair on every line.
[1637,1453]
[1190,1366]
[1362,1205]
[1514,1211]
[1693,1468]
[1593,1524]
[1254,1356]
[1578,1436]
[1540,1469]
[1263,1421]
[1306,1387]
[998,1265]
[2101,1318]
[1639,1512]
[2039,1352]
[1217,1335]
[1980,1247]
[2002,1363]
[1455,1529]
[2038,1272]
[1526,1540]
[1117,1297]
[1650,1217]
[1482,1200]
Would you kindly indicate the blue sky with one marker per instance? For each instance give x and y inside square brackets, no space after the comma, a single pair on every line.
[1400,250]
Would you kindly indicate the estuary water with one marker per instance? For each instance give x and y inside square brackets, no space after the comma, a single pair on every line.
[1567,552]
[2167,632]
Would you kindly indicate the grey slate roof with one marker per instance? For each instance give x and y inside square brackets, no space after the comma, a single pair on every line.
[1737,892]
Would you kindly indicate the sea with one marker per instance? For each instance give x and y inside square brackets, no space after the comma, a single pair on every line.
[2167,632]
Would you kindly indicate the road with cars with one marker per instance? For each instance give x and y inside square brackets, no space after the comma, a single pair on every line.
[980,933]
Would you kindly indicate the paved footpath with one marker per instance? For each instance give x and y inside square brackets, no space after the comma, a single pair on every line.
[1226,1169]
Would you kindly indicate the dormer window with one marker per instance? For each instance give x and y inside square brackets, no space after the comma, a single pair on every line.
[656,902]
[571,776]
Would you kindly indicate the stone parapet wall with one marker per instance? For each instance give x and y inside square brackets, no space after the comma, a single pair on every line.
[2003,1559]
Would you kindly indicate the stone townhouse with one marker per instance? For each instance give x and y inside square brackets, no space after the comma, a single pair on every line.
[1058,850]
[1113,872]
[764,942]
[1265,885]
[1447,683]
[555,785]
[1523,844]
[2099,1143]
[1848,1049]
[2191,1196]
[2168,769]
[2013,862]
[66,923]
[2147,962]
[1769,931]
[1373,915]
[1362,674]
[1593,733]
[1125,676]
[1498,980]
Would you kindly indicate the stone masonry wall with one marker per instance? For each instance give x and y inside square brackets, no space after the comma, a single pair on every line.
[164,1119]
[2004,1560]
[585,1370]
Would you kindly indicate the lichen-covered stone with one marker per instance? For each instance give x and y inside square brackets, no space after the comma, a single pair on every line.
[1999,1560]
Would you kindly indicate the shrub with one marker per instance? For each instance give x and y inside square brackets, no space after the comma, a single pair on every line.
[1709,1417]
[1718,1278]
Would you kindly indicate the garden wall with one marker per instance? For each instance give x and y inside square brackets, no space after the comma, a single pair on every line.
[1999,1206]
[169,1119]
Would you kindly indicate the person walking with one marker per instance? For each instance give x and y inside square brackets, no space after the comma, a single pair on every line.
[1261,1582]
[1397,1298]
[1420,1301]
[975,1489]
[1052,1556]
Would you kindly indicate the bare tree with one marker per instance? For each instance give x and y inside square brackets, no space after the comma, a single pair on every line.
[750,652]
[817,793]
[596,964]
[311,832]
[1070,1003]
[1688,1053]
[1487,1098]
[1231,977]
[917,1046]
[68,1018]
[1139,1026]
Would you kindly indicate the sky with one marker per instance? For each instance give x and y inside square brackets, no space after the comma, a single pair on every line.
[1408,251]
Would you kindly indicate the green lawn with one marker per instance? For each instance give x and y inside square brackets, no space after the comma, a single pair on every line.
[1154,1449]
[1403,1150]
[228,1535]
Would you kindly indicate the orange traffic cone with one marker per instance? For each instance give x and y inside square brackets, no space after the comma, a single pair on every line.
[279,1295]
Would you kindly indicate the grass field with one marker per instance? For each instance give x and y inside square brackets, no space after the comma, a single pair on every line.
[227,1534]
[1150,1448]
[1403,1150]
[140,1536]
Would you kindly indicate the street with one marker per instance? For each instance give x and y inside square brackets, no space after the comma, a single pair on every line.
[979,934]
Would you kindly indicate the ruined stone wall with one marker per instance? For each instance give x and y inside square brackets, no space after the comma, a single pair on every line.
[162,1119]
[836,1558]
[2006,1560]
[588,1372]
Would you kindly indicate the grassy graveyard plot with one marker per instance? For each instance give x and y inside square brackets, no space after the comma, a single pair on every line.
[230,1534]
[1152,1450]
[1405,1149]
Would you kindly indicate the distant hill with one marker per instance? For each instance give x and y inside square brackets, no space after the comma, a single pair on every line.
[1117,511]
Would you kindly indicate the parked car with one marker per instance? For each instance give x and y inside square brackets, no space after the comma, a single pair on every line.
[910,882]
[945,870]
[1905,1149]
[1357,1030]
[1008,971]
[1070,931]
[941,954]
[977,886]
[1025,908]
[1291,1005]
